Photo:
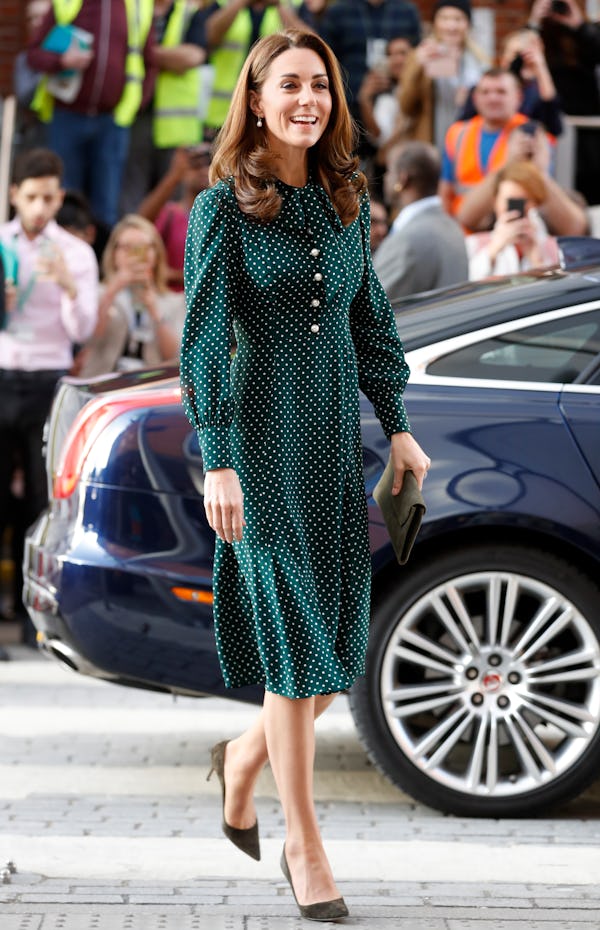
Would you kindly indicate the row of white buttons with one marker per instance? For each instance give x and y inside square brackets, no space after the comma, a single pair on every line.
[314,327]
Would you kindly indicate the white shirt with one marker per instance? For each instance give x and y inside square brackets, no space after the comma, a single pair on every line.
[40,332]
[412,209]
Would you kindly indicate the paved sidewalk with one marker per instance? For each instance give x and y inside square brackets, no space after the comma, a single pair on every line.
[35,903]
[105,809]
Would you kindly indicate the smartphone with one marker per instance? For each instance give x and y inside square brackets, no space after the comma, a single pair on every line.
[517,204]
[376,52]
[443,64]
[383,67]
[529,128]
[560,7]
[516,65]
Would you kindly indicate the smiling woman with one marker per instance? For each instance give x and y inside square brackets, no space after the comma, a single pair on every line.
[293,106]
[278,253]
[289,80]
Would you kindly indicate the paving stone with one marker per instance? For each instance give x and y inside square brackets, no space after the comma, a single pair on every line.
[549,924]
[33,902]
[23,922]
[474,902]
[137,921]
[70,898]
[496,915]
[577,903]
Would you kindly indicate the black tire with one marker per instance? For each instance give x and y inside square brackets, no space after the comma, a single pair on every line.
[387,738]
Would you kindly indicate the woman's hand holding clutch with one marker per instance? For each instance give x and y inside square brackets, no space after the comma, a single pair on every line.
[407,455]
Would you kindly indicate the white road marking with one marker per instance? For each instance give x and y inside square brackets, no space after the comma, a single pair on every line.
[19,781]
[182,859]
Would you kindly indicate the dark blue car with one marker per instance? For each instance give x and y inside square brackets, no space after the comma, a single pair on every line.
[482,694]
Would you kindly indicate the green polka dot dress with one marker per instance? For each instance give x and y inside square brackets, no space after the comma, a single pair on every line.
[312,324]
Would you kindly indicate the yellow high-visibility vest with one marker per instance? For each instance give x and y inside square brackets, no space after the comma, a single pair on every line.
[139,22]
[229,57]
[177,96]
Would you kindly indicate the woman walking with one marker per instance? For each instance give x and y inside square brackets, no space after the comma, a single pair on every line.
[278,258]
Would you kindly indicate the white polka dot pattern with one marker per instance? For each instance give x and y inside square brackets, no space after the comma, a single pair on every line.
[312,323]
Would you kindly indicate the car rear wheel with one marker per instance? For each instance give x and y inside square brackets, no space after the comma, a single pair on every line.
[482,690]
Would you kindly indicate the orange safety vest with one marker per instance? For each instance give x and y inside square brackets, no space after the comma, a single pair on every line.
[463,141]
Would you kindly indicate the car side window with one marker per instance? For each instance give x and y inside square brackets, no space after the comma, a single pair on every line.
[556,351]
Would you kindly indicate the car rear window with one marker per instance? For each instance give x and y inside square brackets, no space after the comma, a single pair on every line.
[556,351]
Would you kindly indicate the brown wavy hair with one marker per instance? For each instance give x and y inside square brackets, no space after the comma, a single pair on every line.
[241,150]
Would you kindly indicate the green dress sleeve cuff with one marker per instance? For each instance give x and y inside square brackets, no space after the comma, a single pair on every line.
[215,446]
[392,416]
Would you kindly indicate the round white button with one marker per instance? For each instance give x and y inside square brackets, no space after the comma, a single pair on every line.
[315,252]
[315,328]
[318,276]
[315,302]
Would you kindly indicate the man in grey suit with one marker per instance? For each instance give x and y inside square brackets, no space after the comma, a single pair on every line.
[425,247]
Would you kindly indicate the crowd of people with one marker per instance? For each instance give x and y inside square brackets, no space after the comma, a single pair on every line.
[119,104]
[132,104]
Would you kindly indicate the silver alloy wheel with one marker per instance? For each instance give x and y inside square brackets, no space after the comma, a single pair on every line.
[490,684]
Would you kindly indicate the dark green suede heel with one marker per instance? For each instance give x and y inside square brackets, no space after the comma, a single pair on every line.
[246,840]
[322,910]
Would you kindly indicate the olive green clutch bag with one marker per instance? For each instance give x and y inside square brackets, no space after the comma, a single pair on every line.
[402,512]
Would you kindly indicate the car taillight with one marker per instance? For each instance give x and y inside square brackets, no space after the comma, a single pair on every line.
[89,424]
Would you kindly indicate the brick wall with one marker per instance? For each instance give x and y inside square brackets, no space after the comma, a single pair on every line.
[509,14]
[12,39]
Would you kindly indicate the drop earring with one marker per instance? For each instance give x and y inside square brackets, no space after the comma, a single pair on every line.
[259,122]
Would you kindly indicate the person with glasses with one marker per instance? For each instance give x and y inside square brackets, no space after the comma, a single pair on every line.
[188,172]
[139,319]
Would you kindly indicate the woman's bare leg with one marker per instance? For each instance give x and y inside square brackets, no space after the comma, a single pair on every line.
[245,759]
[290,733]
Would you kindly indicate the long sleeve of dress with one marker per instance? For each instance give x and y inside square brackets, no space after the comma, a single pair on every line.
[382,368]
[212,286]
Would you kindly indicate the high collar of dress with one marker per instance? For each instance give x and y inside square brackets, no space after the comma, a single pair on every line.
[296,202]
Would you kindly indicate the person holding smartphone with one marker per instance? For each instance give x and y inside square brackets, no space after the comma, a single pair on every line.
[440,71]
[519,240]
[522,53]
[139,319]
[50,302]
